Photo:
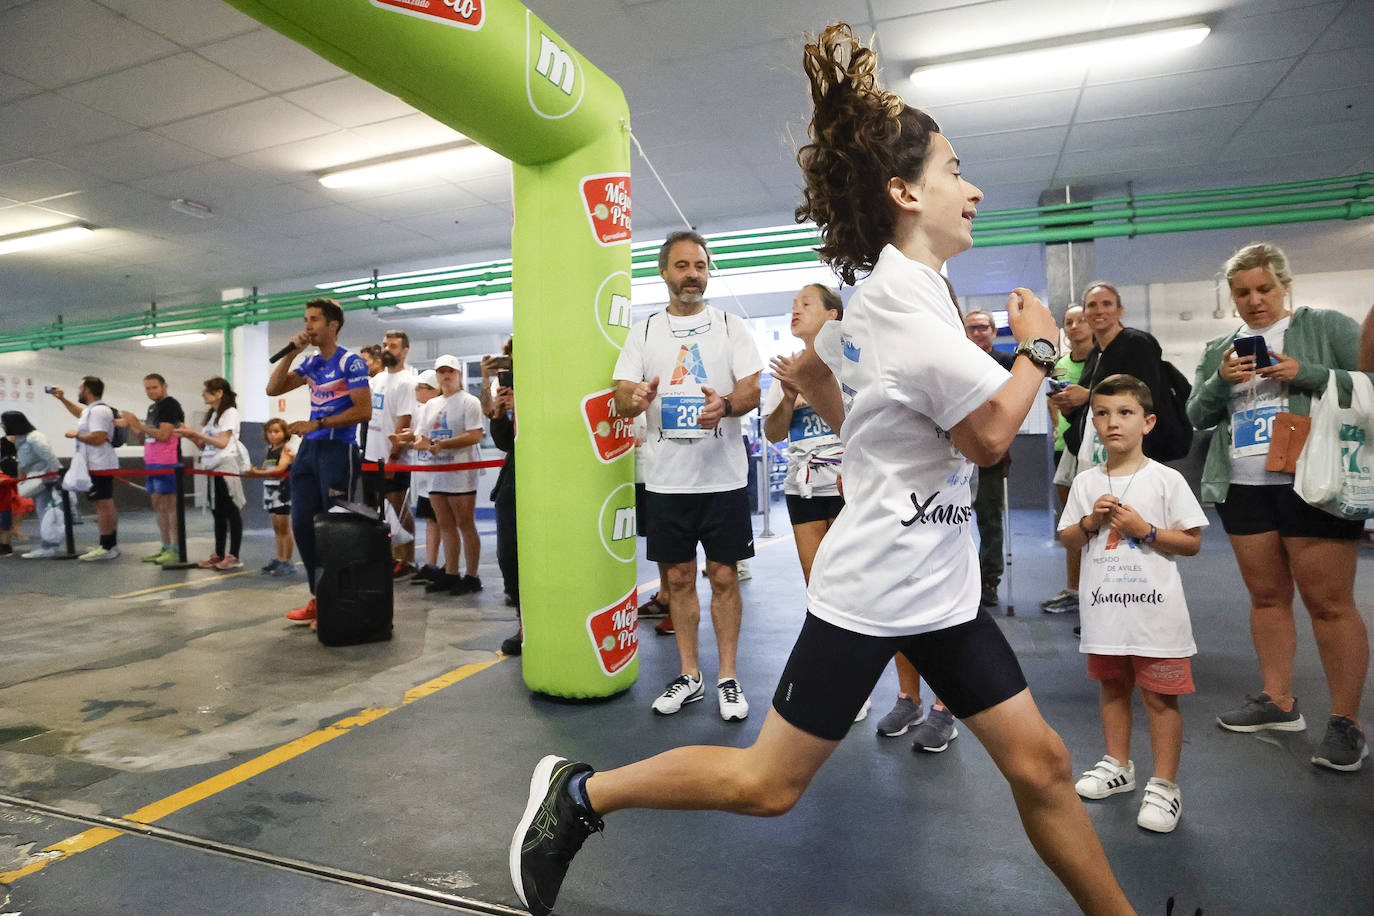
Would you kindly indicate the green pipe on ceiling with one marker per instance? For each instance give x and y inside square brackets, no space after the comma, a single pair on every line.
[1141,215]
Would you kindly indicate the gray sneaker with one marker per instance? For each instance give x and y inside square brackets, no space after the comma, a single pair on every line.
[1062,603]
[1343,748]
[1260,713]
[936,732]
[905,713]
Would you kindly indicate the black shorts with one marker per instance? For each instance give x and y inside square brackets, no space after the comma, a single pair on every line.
[641,510]
[423,509]
[719,521]
[452,493]
[831,671]
[803,509]
[1275,507]
[374,486]
[280,510]
[102,487]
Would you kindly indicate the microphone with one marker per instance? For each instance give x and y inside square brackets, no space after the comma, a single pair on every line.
[289,348]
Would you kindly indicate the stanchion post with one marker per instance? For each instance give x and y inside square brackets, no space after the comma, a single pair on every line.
[765,485]
[67,524]
[182,562]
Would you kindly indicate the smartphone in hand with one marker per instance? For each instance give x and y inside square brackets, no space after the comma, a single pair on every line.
[1254,346]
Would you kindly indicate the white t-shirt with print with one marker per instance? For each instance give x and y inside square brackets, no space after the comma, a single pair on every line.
[1254,404]
[421,421]
[98,417]
[393,396]
[900,558]
[813,450]
[708,348]
[228,421]
[1130,597]
[461,412]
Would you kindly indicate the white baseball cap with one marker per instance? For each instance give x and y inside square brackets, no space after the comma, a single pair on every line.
[448,362]
[429,378]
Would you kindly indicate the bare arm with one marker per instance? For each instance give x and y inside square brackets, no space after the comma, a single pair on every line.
[743,398]
[987,432]
[471,437]
[283,379]
[777,423]
[819,387]
[633,398]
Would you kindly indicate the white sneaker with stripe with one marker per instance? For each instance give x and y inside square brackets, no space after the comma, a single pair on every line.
[1107,777]
[1161,807]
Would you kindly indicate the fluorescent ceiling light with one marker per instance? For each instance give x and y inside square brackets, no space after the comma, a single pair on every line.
[462,155]
[1074,52]
[170,340]
[41,238]
[192,208]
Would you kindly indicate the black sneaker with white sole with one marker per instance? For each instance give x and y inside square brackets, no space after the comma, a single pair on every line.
[1343,748]
[551,831]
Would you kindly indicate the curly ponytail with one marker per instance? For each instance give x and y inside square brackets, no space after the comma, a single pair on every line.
[862,136]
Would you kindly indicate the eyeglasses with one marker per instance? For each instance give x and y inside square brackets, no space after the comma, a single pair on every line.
[977,327]
[691,332]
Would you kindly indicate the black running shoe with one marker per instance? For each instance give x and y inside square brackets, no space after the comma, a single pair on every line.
[511,645]
[464,585]
[551,831]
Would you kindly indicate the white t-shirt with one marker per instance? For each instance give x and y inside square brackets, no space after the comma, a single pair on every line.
[1130,597]
[228,421]
[393,396]
[1254,404]
[685,353]
[813,450]
[422,420]
[96,418]
[900,558]
[461,412]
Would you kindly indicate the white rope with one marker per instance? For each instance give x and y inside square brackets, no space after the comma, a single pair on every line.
[685,221]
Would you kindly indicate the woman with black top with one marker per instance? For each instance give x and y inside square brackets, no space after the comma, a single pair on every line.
[1116,350]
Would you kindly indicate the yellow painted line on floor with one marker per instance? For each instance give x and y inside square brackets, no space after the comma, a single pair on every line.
[193,582]
[148,814]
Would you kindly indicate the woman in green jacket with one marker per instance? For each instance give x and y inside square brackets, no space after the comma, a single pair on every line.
[1279,540]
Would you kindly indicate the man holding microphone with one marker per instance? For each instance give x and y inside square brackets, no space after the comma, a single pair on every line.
[340,399]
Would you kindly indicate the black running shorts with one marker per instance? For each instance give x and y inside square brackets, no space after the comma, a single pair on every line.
[1275,507]
[803,509]
[831,671]
[719,521]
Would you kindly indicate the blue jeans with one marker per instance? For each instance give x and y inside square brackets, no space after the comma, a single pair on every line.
[324,470]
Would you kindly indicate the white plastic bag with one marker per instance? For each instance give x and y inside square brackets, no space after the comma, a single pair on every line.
[399,534]
[1091,451]
[78,476]
[1334,470]
[52,528]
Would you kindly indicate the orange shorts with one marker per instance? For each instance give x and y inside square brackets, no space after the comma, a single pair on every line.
[1169,676]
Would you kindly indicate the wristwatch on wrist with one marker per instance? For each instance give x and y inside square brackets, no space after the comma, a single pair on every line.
[1040,351]
[1149,538]
[729,411]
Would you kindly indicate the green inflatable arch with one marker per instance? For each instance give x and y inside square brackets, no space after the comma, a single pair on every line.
[493,71]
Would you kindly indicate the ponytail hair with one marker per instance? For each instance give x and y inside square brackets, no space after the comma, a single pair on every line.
[862,137]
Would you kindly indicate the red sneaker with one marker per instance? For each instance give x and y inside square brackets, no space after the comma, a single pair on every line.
[653,608]
[302,613]
[665,627]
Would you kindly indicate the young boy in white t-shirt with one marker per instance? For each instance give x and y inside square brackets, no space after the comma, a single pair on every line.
[1131,517]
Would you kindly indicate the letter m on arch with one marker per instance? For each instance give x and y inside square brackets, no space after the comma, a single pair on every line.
[555,65]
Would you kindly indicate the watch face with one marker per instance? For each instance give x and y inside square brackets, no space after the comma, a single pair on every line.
[1043,348]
